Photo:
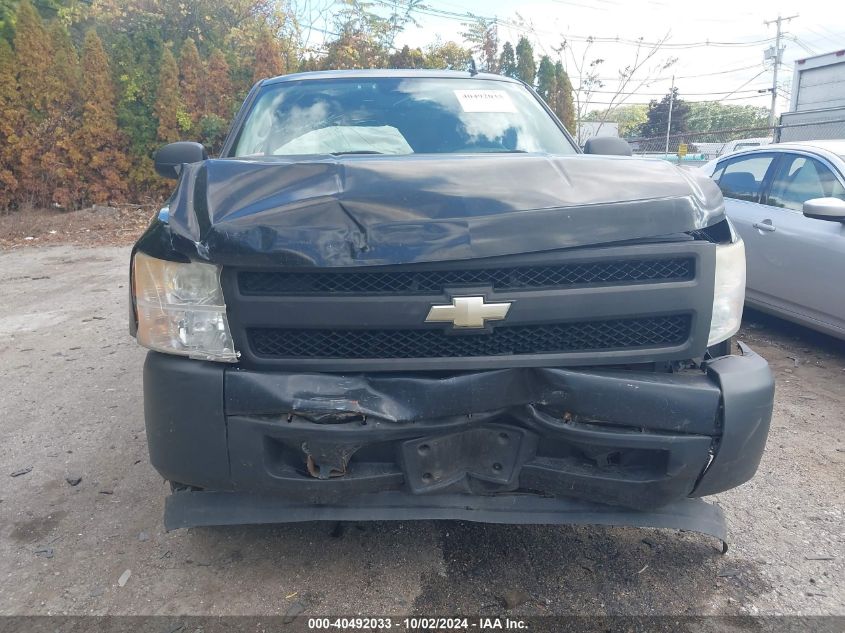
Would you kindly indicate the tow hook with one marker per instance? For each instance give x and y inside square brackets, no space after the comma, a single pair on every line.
[325,461]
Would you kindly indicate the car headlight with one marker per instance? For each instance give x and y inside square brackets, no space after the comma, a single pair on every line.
[729,291]
[181,310]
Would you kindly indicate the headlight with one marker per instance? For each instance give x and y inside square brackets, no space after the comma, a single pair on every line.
[729,292]
[181,309]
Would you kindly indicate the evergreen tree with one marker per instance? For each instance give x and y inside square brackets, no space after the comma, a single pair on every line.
[134,59]
[564,102]
[103,164]
[168,105]
[658,116]
[526,68]
[546,78]
[507,61]
[554,87]
[10,121]
[192,83]
[269,61]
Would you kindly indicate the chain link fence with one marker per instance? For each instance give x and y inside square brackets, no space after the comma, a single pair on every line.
[696,148]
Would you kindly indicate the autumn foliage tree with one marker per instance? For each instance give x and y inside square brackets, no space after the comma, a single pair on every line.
[192,83]
[219,86]
[33,56]
[32,63]
[408,57]
[168,105]
[57,130]
[448,55]
[89,89]
[483,37]
[102,162]
[217,105]
[355,49]
[10,121]
[269,61]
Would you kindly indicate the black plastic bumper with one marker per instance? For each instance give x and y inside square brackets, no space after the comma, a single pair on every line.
[638,440]
[190,509]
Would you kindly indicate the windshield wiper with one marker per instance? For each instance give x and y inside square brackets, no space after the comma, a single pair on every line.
[357,151]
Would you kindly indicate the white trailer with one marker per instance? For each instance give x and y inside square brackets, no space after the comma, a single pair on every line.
[817,108]
[818,83]
[589,129]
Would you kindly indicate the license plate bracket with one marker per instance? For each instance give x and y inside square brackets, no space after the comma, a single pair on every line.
[492,453]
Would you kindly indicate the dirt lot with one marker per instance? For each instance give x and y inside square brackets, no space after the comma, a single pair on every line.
[70,407]
[99,226]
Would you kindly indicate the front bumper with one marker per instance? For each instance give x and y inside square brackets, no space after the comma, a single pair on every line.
[629,439]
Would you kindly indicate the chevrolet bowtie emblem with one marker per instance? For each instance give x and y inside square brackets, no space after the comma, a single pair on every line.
[468,312]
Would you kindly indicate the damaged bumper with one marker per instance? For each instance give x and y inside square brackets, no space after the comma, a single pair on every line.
[461,445]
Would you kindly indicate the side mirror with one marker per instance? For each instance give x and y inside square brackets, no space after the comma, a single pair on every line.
[832,209]
[170,158]
[607,145]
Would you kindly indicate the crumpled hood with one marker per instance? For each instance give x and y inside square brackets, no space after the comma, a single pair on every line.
[374,210]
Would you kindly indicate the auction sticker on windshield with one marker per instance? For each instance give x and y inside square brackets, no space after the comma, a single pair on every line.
[485,101]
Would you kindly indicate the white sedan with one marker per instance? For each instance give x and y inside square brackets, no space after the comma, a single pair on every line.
[787,202]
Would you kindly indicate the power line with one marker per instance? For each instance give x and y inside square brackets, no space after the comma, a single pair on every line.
[660,94]
[716,100]
[744,84]
[670,45]
[809,49]
[821,36]
[778,58]
[592,7]
[469,17]
[719,72]
[713,74]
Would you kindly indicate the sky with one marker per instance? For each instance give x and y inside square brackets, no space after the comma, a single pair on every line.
[730,68]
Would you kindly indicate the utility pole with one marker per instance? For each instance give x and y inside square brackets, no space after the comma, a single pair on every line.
[669,122]
[777,57]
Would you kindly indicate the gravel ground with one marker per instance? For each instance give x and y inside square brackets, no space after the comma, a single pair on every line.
[71,407]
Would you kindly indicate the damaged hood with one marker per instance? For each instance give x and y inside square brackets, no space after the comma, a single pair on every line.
[374,210]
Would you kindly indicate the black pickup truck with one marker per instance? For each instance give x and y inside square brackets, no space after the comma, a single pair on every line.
[409,294]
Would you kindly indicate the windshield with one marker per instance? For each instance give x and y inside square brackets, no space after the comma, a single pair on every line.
[397,115]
